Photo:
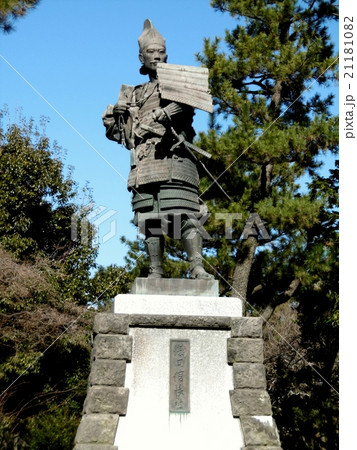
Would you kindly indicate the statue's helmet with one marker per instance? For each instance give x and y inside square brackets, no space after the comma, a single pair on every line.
[150,35]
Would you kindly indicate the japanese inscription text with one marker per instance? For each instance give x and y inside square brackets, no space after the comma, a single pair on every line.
[179,376]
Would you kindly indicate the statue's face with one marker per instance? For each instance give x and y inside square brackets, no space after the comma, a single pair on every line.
[151,55]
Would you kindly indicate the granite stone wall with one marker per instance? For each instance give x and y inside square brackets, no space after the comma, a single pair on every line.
[107,398]
[250,400]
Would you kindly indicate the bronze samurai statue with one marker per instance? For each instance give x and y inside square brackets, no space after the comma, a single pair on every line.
[164,177]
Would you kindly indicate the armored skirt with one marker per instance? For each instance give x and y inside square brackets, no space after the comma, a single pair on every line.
[166,206]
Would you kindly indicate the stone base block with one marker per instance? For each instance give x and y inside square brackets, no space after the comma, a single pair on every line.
[259,447]
[107,323]
[170,305]
[97,429]
[112,346]
[259,430]
[95,447]
[107,372]
[175,286]
[247,327]
[250,402]
[175,321]
[106,399]
[249,375]
[245,350]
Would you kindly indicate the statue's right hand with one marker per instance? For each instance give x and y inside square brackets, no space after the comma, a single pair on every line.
[120,108]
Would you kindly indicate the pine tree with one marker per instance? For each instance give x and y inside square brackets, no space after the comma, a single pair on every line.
[271,131]
[11,10]
[278,131]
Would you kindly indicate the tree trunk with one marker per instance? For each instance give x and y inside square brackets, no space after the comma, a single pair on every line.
[276,97]
[267,313]
[242,269]
[270,308]
[249,245]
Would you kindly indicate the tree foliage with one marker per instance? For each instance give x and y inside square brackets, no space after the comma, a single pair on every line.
[45,350]
[11,10]
[46,258]
[38,211]
[107,282]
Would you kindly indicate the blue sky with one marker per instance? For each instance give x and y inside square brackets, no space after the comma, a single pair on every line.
[76,55]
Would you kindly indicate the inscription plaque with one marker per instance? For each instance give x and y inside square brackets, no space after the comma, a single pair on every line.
[179,375]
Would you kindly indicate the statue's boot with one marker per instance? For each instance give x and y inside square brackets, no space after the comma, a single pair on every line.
[155,249]
[192,243]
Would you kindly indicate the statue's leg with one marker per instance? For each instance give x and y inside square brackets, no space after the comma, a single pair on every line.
[192,244]
[155,249]
[144,204]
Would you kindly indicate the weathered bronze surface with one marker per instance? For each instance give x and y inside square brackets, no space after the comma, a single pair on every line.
[154,122]
[179,376]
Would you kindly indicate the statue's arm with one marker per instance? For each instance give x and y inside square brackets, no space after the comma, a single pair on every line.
[167,113]
[177,116]
[118,123]
[111,124]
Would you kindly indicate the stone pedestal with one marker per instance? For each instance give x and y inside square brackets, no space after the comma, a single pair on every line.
[176,370]
[175,286]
